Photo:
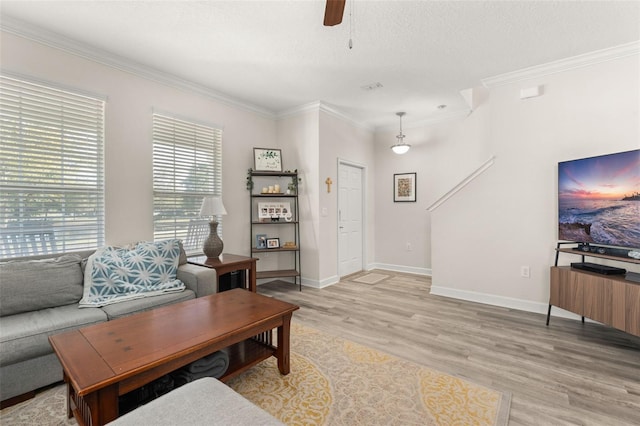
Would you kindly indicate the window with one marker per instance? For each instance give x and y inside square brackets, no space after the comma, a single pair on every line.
[51,169]
[187,166]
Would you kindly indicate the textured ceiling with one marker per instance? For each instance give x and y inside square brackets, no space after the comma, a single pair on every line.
[277,55]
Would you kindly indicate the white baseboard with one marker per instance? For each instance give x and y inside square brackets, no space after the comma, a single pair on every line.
[400,268]
[505,302]
[306,282]
[321,283]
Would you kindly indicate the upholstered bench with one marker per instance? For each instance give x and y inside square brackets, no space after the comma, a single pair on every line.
[205,401]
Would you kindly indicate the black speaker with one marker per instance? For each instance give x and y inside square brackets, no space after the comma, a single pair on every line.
[231,280]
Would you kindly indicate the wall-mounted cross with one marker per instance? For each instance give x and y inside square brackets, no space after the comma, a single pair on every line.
[328,182]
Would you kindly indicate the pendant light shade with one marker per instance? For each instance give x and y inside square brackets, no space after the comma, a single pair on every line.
[401,147]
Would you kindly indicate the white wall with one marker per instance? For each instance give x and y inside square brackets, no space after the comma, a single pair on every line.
[399,224]
[128,147]
[342,140]
[298,135]
[317,139]
[507,217]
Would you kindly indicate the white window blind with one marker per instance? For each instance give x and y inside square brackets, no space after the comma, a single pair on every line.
[51,169]
[187,166]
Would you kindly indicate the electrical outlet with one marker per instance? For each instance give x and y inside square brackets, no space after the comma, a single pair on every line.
[525,271]
[409,248]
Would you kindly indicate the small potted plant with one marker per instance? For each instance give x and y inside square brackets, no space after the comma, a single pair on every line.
[292,187]
[249,180]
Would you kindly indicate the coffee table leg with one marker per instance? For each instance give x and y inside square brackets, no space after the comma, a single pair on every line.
[69,390]
[252,277]
[108,404]
[282,352]
[96,408]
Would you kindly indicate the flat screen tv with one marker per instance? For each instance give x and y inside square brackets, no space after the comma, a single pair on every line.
[599,200]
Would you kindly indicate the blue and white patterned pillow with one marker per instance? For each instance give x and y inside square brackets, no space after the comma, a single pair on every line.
[116,274]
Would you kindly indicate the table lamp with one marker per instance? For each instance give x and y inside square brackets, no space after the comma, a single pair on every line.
[212,206]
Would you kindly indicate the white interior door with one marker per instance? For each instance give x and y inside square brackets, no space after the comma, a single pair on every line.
[350,219]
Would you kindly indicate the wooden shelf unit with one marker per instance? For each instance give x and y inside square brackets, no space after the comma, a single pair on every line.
[609,299]
[280,226]
[280,273]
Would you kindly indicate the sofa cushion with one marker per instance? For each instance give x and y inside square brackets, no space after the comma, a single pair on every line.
[205,401]
[31,285]
[25,335]
[129,307]
[116,274]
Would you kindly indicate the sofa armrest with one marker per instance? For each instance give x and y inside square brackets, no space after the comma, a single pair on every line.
[202,280]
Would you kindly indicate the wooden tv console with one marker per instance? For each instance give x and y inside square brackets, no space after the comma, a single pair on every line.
[609,299]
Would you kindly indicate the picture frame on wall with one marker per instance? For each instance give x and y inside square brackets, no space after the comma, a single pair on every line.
[404,187]
[267,160]
[273,243]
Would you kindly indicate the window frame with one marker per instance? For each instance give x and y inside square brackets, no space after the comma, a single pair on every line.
[179,144]
[52,168]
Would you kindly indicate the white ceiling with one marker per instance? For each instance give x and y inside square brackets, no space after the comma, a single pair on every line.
[277,55]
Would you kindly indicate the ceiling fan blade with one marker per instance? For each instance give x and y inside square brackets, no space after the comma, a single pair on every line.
[333,12]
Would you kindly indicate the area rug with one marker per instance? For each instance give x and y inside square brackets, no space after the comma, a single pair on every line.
[371,278]
[337,382]
[332,382]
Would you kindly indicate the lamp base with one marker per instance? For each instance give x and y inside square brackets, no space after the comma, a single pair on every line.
[213,245]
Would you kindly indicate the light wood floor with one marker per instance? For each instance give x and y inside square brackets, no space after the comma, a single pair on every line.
[566,374]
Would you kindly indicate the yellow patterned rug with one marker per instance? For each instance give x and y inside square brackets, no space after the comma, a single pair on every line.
[337,382]
[332,382]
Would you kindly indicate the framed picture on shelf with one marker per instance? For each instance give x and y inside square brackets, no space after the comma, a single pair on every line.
[261,241]
[274,211]
[267,160]
[263,211]
[404,187]
[273,243]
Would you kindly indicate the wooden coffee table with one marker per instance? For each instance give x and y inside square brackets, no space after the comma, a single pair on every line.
[104,361]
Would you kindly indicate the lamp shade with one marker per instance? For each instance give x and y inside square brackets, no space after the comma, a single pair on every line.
[400,148]
[212,206]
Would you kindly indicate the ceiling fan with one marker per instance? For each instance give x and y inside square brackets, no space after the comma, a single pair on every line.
[333,12]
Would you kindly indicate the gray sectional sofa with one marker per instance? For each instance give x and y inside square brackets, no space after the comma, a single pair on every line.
[39,297]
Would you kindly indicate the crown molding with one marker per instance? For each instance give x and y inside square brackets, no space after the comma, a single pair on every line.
[319,106]
[335,112]
[86,51]
[566,64]
[300,109]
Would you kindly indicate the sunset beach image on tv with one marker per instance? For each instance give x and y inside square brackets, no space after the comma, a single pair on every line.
[599,200]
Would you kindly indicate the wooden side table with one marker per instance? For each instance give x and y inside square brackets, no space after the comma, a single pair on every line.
[229,263]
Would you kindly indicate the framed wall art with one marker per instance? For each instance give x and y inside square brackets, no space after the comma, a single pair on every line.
[404,187]
[267,160]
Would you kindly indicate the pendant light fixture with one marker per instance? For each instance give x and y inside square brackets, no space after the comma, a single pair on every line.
[401,147]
